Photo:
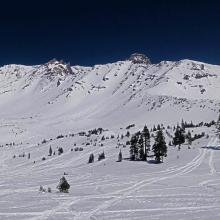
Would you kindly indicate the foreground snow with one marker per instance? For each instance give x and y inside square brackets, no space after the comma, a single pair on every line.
[185,186]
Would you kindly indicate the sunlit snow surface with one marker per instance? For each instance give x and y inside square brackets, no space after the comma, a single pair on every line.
[34,106]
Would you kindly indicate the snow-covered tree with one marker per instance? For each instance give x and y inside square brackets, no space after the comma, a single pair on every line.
[160,147]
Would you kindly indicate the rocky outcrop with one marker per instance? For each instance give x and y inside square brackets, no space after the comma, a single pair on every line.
[139,58]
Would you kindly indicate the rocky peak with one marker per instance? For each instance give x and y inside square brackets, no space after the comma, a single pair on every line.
[55,67]
[139,58]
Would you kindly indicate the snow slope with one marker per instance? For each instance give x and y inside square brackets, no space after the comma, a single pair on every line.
[44,101]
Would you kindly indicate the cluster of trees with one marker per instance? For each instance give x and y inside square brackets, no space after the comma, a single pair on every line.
[140,145]
[63,186]
[101,156]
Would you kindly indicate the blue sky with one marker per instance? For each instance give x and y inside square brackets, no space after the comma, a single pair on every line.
[95,32]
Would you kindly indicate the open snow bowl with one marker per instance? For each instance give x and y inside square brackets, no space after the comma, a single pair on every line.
[55,100]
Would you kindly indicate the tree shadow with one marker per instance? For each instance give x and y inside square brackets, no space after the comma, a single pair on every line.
[154,162]
[212,147]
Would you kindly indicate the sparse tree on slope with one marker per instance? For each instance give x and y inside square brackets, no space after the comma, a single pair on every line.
[146,137]
[63,185]
[189,139]
[120,156]
[160,147]
[218,127]
[133,147]
[91,158]
[179,137]
[50,151]
[141,154]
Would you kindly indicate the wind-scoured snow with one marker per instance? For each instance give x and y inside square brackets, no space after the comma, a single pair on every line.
[44,101]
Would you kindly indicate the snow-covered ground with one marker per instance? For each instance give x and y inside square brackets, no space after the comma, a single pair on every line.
[42,102]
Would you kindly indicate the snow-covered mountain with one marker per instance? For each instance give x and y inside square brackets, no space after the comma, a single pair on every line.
[116,94]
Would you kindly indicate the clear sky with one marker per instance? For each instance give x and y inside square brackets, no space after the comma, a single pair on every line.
[95,32]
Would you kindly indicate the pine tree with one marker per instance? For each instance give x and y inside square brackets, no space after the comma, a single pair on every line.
[141,154]
[91,158]
[179,137]
[63,185]
[120,156]
[218,127]
[133,147]
[101,156]
[50,151]
[146,137]
[189,139]
[158,127]
[160,147]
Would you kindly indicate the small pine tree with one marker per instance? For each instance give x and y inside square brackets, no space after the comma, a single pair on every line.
[158,127]
[189,139]
[146,137]
[50,151]
[218,127]
[120,156]
[91,158]
[179,137]
[133,148]
[63,185]
[101,156]
[60,150]
[160,147]
[141,147]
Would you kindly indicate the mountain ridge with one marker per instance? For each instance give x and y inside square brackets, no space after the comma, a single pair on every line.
[110,95]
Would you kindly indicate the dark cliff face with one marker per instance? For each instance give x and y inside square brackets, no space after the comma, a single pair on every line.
[139,58]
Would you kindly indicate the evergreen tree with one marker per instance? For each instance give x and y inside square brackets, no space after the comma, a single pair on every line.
[160,147]
[158,127]
[141,154]
[127,134]
[60,150]
[101,156]
[50,151]
[120,156]
[189,139]
[183,124]
[63,185]
[218,127]
[91,158]
[179,137]
[146,137]
[133,147]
